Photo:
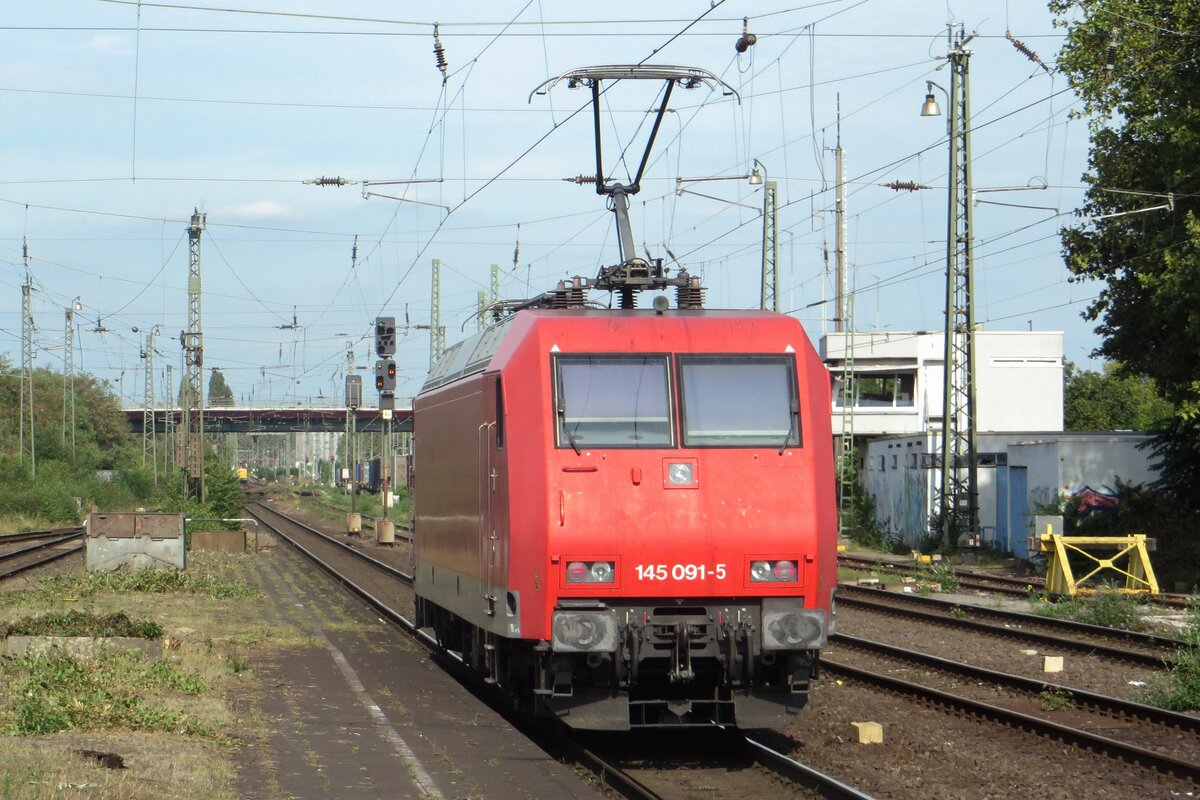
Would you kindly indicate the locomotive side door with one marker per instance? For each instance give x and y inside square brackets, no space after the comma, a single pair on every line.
[493,530]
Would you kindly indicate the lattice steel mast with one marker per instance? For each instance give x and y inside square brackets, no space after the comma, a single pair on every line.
[768,295]
[958,497]
[149,443]
[193,349]
[69,374]
[437,332]
[27,327]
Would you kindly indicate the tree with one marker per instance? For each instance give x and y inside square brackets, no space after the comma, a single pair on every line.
[1133,64]
[1111,401]
[219,393]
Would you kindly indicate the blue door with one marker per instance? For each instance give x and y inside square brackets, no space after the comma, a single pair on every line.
[1018,511]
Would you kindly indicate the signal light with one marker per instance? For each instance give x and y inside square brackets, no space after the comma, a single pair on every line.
[385,336]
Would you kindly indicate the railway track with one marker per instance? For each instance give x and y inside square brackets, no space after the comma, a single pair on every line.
[1008,585]
[1130,647]
[1122,751]
[49,548]
[1133,732]
[380,592]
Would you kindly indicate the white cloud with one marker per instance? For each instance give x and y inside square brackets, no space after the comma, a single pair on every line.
[261,210]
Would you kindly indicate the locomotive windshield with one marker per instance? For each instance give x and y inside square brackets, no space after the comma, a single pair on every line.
[739,401]
[613,401]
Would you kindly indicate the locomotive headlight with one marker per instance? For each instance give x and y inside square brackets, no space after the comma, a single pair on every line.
[584,631]
[782,571]
[602,572]
[680,473]
[787,625]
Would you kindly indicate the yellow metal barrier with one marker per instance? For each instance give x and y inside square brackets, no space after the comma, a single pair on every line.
[1060,578]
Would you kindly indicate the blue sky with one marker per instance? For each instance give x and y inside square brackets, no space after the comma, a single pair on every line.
[121,118]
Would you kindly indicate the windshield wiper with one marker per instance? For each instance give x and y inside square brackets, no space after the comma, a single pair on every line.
[792,417]
[561,408]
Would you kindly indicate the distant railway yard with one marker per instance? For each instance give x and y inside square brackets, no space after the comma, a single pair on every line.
[296,671]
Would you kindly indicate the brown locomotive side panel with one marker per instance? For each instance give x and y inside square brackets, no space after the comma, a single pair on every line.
[448,495]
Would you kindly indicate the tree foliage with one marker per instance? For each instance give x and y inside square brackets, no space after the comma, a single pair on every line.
[1111,401]
[1134,66]
[219,393]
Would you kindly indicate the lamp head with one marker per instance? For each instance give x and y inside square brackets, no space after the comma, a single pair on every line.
[756,175]
[930,107]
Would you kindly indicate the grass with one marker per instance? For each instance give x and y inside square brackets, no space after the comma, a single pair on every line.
[1057,700]
[164,768]
[1179,688]
[47,694]
[171,719]
[1106,608]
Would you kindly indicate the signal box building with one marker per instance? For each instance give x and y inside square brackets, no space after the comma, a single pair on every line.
[900,375]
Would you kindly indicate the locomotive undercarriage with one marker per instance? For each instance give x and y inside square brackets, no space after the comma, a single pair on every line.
[664,666]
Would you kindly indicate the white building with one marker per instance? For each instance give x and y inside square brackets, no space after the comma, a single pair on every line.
[1020,474]
[900,375]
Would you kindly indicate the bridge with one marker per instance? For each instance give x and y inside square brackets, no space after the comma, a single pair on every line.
[300,419]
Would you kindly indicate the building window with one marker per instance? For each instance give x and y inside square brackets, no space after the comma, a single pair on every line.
[879,390]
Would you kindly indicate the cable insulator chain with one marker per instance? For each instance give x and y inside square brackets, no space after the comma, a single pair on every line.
[905,186]
[1032,56]
[439,53]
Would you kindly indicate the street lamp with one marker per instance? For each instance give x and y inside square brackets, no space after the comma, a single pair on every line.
[768,297]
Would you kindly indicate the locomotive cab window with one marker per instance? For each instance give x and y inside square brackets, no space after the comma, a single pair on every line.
[739,401]
[612,401]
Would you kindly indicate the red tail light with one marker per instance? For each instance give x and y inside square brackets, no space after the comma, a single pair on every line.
[576,571]
[784,570]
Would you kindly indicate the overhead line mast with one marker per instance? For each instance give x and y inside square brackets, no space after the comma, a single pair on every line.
[193,350]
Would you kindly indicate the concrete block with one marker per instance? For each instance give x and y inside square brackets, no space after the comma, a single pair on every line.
[81,647]
[867,582]
[1029,652]
[868,732]
[1052,664]
[353,522]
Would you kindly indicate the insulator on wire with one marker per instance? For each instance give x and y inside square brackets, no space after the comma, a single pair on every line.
[439,53]
[1110,53]
[747,39]
[323,181]
[581,179]
[517,247]
[1021,46]
[904,186]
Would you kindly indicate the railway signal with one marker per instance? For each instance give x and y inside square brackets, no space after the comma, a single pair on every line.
[385,336]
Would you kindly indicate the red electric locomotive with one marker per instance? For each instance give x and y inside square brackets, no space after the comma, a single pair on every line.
[626,517]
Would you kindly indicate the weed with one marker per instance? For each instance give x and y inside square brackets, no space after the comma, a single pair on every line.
[79,623]
[59,692]
[958,612]
[145,581]
[1179,689]
[1109,609]
[945,575]
[1057,700]
[238,664]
